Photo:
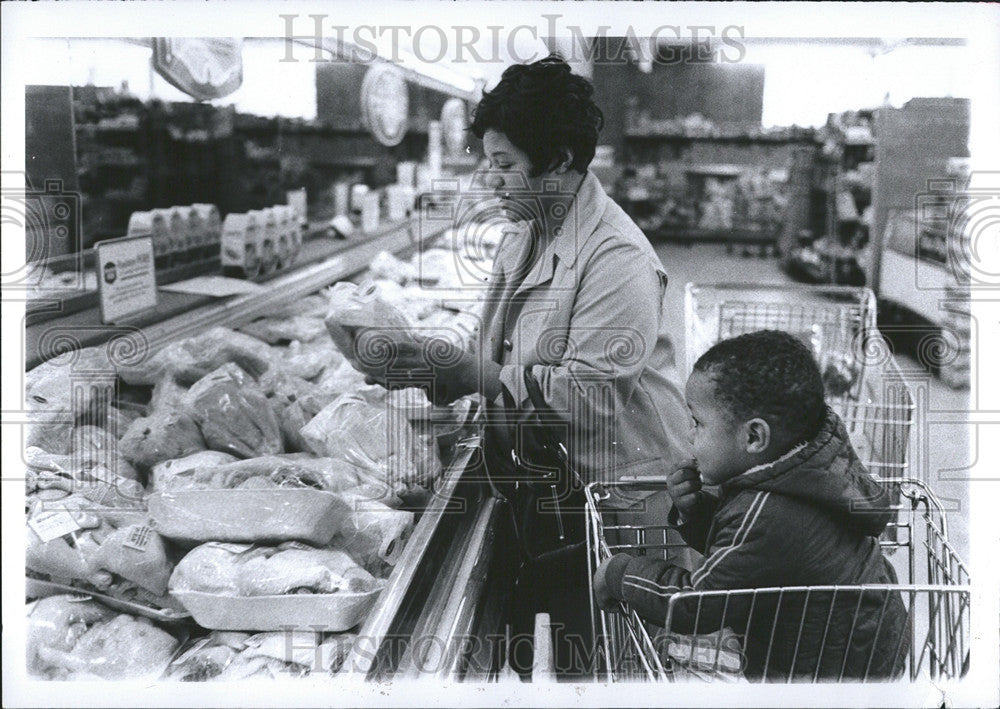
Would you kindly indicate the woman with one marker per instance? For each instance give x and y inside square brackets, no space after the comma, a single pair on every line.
[575,297]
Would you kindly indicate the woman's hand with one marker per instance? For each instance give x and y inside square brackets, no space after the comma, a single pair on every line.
[444,370]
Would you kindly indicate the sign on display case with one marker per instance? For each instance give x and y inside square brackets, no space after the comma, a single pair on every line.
[126,277]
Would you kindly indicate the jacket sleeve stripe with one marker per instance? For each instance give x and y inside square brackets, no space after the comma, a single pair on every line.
[649,586]
[741,534]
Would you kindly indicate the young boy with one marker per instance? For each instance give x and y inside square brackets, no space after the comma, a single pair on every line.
[796,507]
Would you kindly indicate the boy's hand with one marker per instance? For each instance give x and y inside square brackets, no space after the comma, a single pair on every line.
[684,486]
[603,596]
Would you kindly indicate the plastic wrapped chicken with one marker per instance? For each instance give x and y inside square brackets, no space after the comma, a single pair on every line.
[164,434]
[227,655]
[233,414]
[290,568]
[77,639]
[188,360]
[360,307]
[57,398]
[353,429]
[113,550]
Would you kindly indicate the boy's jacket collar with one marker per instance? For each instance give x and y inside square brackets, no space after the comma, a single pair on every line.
[827,473]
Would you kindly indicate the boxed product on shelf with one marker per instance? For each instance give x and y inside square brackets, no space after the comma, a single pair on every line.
[211,229]
[153,223]
[239,246]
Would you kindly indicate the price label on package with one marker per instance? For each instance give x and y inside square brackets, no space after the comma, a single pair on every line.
[139,538]
[52,524]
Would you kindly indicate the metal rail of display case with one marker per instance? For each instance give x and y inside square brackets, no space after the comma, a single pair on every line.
[442,613]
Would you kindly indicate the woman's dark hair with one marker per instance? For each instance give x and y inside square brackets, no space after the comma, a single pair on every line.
[543,108]
[771,375]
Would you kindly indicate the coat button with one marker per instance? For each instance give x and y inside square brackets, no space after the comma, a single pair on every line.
[508,345]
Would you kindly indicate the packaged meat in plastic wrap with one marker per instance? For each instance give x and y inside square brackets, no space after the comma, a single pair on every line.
[163,472]
[340,475]
[111,550]
[373,533]
[54,386]
[77,473]
[246,570]
[365,434]
[137,554]
[360,307]
[233,414]
[241,587]
[190,359]
[268,499]
[276,330]
[309,360]
[227,655]
[164,434]
[387,266]
[73,638]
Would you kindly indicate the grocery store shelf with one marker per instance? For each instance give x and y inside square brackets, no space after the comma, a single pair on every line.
[177,315]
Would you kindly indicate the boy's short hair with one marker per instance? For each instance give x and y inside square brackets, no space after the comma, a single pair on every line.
[771,375]
[543,108]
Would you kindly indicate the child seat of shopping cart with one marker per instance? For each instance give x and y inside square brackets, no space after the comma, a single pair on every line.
[865,387]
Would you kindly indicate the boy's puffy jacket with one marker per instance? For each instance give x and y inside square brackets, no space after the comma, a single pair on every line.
[810,518]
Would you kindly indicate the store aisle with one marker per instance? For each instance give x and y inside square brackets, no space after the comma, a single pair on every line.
[939,451]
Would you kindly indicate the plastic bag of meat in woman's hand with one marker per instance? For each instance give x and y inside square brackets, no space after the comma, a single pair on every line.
[355,308]
[233,414]
[189,360]
[163,435]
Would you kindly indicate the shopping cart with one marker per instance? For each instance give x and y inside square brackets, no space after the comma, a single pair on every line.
[862,380]
[865,387]
[936,598]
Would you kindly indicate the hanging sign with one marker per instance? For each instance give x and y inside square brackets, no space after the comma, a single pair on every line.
[126,277]
[202,67]
[385,104]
